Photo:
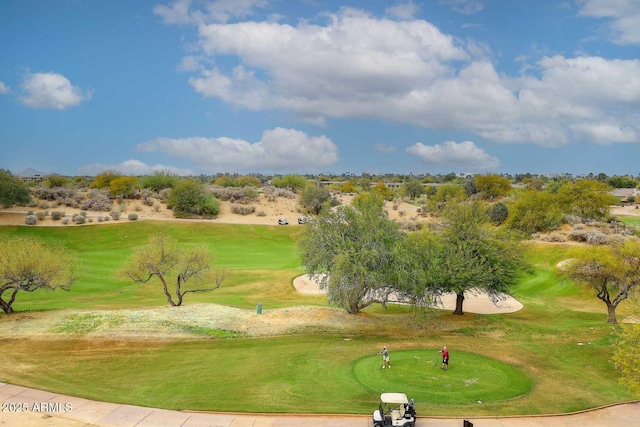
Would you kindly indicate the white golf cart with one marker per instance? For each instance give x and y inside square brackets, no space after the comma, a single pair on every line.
[395,410]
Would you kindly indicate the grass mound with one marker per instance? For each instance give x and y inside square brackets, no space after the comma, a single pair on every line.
[471,378]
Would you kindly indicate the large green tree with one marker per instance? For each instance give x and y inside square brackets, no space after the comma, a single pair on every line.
[491,185]
[27,264]
[355,245]
[162,259]
[613,272]
[475,256]
[12,190]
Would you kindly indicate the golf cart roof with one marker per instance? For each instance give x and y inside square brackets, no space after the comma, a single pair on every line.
[394,398]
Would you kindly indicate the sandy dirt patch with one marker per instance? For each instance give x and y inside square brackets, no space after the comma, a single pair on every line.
[474,302]
[185,322]
[267,212]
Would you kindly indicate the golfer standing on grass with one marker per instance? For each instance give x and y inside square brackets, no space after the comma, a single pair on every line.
[385,357]
[445,358]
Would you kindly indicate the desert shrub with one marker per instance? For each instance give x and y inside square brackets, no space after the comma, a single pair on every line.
[491,185]
[53,181]
[572,219]
[103,180]
[402,213]
[315,198]
[295,183]
[132,216]
[148,201]
[41,215]
[30,213]
[55,193]
[235,194]
[498,213]
[31,219]
[13,191]
[239,181]
[411,225]
[115,215]
[248,181]
[413,189]
[272,193]
[98,200]
[56,215]
[535,211]
[124,186]
[65,220]
[348,187]
[395,206]
[261,213]
[79,219]
[553,237]
[189,197]
[595,237]
[100,218]
[223,181]
[382,190]
[163,195]
[159,180]
[43,205]
[242,209]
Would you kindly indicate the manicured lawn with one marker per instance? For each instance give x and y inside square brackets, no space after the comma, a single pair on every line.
[469,379]
[550,357]
[254,255]
[631,220]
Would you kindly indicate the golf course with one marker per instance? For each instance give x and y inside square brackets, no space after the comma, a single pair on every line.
[217,353]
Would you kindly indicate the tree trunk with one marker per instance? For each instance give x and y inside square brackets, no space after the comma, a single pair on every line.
[459,300]
[5,307]
[611,310]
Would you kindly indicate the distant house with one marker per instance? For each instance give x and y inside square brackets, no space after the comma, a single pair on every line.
[625,194]
[31,174]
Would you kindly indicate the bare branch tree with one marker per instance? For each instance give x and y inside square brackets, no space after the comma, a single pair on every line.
[164,260]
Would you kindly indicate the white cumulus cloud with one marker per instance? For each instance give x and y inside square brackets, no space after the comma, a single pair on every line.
[279,149]
[4,88]
[133,167]
[463,155]
[51,91]
[623,18]
[465,7]
[407,71]
[186,12]
[384,148]
[403,10]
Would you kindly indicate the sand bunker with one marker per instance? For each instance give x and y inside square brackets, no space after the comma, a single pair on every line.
[474,302]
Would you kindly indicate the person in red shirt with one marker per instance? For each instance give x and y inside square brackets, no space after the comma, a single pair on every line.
[445,358]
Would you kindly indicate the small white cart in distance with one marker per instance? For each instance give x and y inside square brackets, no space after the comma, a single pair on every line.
[395,410]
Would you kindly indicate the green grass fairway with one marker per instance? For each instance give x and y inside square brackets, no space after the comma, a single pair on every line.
[552,356]
[469,379]
[631,220]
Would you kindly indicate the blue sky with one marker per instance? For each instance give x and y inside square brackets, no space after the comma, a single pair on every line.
[312,86]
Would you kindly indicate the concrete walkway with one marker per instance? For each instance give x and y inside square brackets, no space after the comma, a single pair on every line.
[26,407]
